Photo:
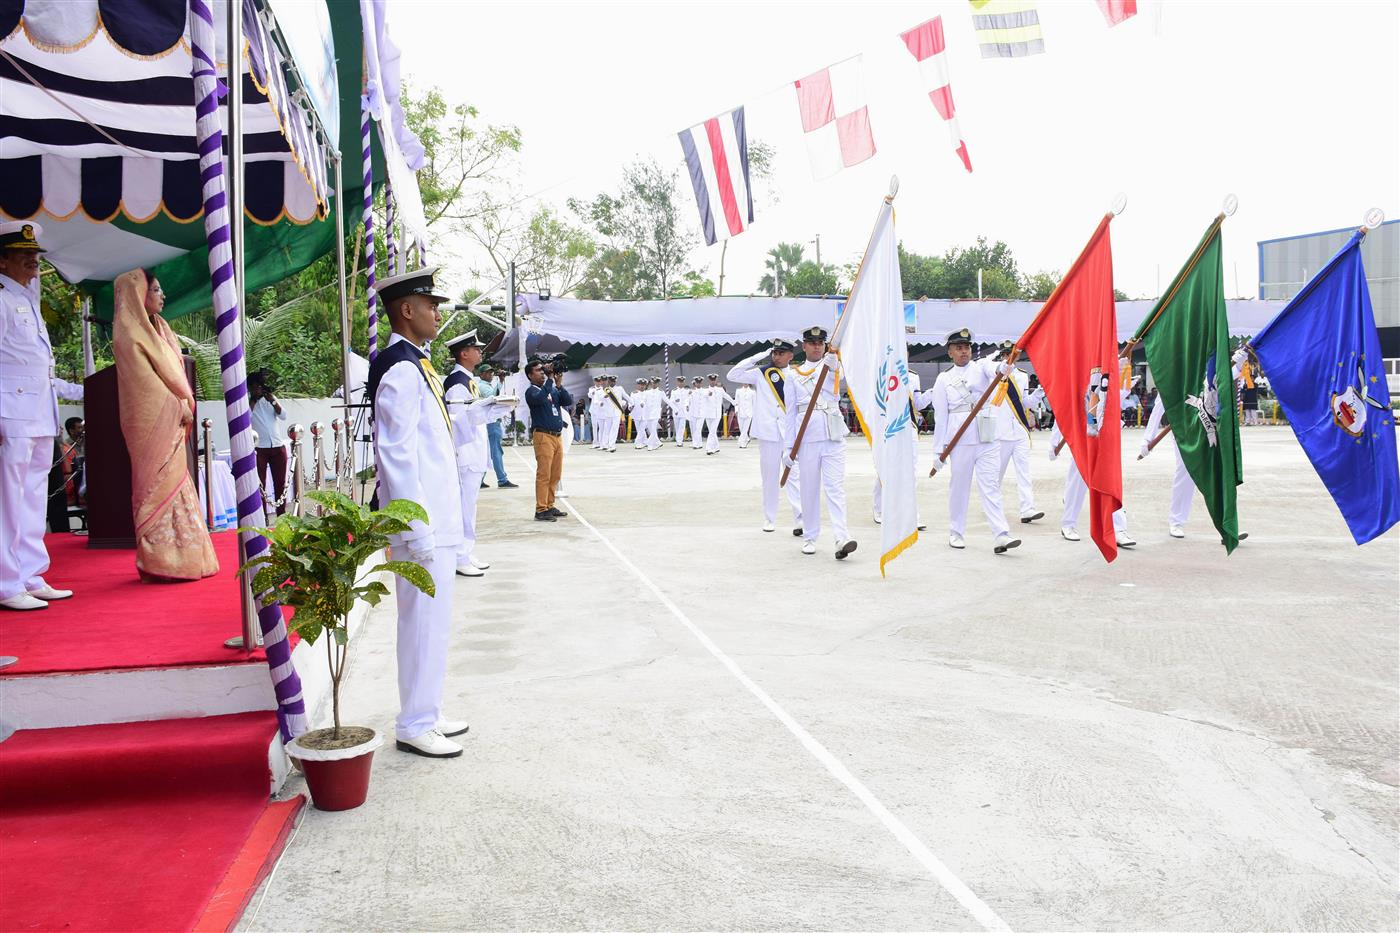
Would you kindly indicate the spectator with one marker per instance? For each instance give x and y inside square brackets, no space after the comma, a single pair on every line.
[545,397]
[271,448]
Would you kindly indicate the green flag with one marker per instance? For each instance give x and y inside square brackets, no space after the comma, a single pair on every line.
[1187,340]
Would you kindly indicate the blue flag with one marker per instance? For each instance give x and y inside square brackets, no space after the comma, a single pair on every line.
[1322,355]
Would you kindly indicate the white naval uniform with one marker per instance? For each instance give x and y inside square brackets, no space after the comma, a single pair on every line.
[770,429]
[1076,491]
[416,459]
[1183,488]
[679,400]
[617,422]
[954,393]
[695,416]
[919,399]
[743,408]
[653,419]
[822,457]
[470,412]
[715,397]
[595,397]
[1015,441]
[29,393]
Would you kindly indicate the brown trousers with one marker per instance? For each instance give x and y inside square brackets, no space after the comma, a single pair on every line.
[549,464]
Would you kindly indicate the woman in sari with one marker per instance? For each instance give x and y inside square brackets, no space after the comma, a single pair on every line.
[157,412]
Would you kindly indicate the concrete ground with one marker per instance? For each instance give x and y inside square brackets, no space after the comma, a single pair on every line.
[680,723]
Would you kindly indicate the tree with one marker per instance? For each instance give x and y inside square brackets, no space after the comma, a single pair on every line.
[465,162]
[811,279]
[782,261]
[693,285]
[922,276]
[1038,286]
[552,255]
[613,274]
[999,276]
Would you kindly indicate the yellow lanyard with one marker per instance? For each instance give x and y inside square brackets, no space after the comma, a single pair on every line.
[435,383]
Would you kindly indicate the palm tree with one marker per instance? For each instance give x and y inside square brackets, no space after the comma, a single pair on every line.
[782,260]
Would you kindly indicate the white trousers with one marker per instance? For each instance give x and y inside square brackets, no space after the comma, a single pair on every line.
[653,426]
[695,425]
[1018,453]
[678,423]
[712,443]
[597,422]
[823,465]
[425,624]
[471,490]
[1183,492]
[879,496]
[744,422]
[24,483]
[983,461]
[1076,491]
[770,464]
[607,432]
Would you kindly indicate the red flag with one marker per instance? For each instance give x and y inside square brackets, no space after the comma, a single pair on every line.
[1073,344]
[1115,11]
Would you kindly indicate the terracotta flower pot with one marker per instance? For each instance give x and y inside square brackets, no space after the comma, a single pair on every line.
[338,778]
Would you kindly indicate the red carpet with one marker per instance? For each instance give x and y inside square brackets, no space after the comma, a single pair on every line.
[114,621]
[136,826]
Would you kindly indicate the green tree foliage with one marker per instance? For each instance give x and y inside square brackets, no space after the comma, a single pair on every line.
[811,279]
[781,263]
[552,254]
[465,163]
[693,285]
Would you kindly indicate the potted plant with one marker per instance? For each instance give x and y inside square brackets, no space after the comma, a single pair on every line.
[313,564]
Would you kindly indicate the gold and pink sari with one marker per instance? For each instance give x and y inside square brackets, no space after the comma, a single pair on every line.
[157,408]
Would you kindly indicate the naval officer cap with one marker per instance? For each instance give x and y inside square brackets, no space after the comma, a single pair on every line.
[469,339]
[961,335]
[814,333]
[21,234]
[781,344]
[417,282]
[641,382]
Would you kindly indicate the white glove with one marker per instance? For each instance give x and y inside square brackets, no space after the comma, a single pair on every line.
[1240,356]
[1144,451]
[788,462]
[1054,454]
[509,402]
[831,361]
[420,549]
[1004,369]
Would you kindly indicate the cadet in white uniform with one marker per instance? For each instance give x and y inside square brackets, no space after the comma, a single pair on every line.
[416,460]
[1076,491]
[29,393]
[715,397]
[695,411]
[1013,436]
[678,402]
[770,370]
[743,408]
[822,456]
[614,405]
[977,454]
[654,403]
[595,415]
[470,411]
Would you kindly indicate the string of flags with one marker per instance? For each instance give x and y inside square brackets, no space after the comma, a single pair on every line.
[835,117]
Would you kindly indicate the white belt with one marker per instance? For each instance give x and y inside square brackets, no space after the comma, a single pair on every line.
[40,370]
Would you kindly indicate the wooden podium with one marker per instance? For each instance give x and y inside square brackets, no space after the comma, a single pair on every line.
[109,464]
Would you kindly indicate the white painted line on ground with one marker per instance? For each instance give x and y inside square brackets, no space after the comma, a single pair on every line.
[951,883]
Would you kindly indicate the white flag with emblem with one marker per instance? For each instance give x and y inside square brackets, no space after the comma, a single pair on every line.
[875,364]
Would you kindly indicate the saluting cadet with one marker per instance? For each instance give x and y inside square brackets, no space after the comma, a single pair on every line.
[1076,491]
[416,460]
[743,408]
[715,397]
[28,421]
[977,454]
[770,370]
[1013,434]
[470,410]
[678,402]
[695,411]
[822,456]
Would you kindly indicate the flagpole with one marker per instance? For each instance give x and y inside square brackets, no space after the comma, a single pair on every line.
[834,343]
[1015,353]
[1127,351]
[1157,440]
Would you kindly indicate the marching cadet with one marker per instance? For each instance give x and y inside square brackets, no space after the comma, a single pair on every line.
[715,397]
[977,454]
[615,405]
[743,408]
[822,456]
[655,400]
[28,421]
[770,369]
[416,460]
[1013,434]
[678,402]
[595,414]
[695,411]
[1076,491]
[638,409]
[470,411]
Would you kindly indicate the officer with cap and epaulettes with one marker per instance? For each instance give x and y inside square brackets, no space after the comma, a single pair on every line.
[416,459]
[1013,433]
[595,414]
[29,393]
[715,397]
[470,410]
[769,370]
[679,403]
[822,456]
[638,410]
[695,412]
[978,454]
[655,400]
[614,407]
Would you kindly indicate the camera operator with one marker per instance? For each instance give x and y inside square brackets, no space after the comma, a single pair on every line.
[271,439]
[546,397]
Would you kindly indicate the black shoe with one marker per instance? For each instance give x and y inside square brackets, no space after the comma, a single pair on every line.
[1027,519]
[845,549]
[485,485]
[545,517]
[507,484]
[797,532]
[558,514]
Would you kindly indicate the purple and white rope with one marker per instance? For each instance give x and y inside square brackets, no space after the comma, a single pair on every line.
[372,298]
[392,248]
[291,709]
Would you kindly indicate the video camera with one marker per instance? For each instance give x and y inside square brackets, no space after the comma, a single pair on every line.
[554,363]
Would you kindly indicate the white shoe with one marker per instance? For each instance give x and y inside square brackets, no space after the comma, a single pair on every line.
[431,744]
[767,526]
[49,593]
[1124,540]
[451,727]
[23,601]
[879,518]
[956,541]
[1005,543]
[1176,531]
[470,571]
[1069,534]
[479,565]
[809,547]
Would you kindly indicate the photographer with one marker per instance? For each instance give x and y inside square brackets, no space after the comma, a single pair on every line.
[271,440]
[546,396]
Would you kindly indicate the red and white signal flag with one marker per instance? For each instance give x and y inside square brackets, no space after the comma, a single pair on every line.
[835,120]
[925,43]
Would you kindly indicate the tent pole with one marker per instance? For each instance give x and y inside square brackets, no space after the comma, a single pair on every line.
[344,304]
[89,364]
[514,316]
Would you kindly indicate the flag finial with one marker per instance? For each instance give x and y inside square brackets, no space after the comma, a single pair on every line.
[1120,201]
[894,188]
[1231,205]
[1373,219]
